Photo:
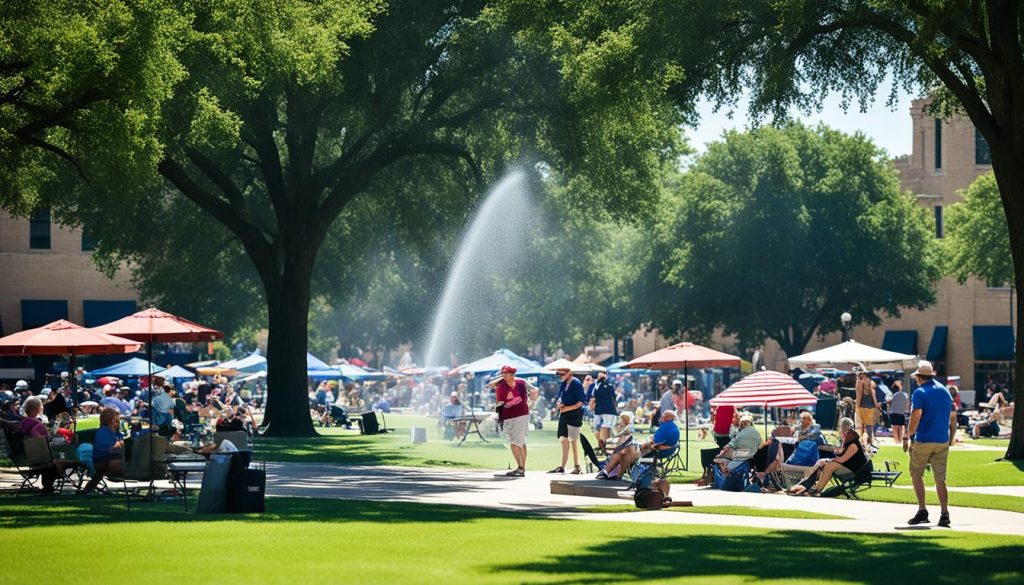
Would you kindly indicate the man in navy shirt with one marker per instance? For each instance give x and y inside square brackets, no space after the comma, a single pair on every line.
[570,419]
[931,431]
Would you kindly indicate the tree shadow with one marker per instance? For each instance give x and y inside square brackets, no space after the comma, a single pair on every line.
[779,555]
[28,511]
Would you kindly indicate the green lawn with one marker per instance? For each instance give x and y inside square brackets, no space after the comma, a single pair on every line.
[965,499]
[331,541]
[965,468]
[730,510]
[342,446]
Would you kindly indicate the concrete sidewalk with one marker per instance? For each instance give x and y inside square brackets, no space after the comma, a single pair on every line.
[532,493]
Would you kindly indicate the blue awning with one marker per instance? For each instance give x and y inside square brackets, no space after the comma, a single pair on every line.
[38,313]
[901,342]
[102,312]
[993,343]
[937,346]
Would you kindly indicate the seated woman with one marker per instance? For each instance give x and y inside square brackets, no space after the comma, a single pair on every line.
[808,430]
[107,448]
[452,411]
[31,427]
[849,458]
[747,440]
[665,440]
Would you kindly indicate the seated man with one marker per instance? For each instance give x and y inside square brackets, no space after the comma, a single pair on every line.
[741,447]
[664,441]
[452,411]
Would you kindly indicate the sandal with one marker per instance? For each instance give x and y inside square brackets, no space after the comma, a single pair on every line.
[511,473]
[575,471]
[520,472]
[558,469]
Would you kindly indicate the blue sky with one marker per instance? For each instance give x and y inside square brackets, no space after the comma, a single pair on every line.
[889,128]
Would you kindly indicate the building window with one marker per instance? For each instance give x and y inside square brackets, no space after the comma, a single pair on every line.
[938,221]
[938,143]
[39,230]
[88,242]
[982,154]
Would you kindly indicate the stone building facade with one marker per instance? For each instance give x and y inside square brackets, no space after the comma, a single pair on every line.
[47,273]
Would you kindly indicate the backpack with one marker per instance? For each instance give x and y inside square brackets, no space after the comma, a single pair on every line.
[649,499]
[735,480]
[805,454]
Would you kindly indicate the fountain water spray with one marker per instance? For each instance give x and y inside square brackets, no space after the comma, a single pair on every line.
[490,251]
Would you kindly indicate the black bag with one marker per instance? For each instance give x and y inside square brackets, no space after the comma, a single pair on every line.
[246,488]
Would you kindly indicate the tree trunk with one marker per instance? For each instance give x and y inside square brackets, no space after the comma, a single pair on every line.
[288,315]
[1010,177]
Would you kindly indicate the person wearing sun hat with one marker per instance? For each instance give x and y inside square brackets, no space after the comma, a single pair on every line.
[513,409]
[932,429]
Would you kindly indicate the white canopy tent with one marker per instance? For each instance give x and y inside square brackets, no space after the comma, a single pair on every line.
[849,353]
[574,367]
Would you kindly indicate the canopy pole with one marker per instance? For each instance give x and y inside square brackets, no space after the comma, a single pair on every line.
[152,431]
[71,384]
[686,410]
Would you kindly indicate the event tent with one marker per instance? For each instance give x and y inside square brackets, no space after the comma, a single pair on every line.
[494,362]
[131,367]
[851,353]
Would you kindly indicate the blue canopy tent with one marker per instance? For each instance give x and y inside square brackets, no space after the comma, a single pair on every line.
[347,371]
[133,367]
[253,362]
[177,373]
[314,363]
[495,361]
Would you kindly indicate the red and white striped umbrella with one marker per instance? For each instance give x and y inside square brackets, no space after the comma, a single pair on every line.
[773,389]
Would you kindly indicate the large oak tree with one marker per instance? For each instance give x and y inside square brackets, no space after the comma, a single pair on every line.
[273,118]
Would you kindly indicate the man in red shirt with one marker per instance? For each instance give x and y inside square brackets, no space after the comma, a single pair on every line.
[514,415]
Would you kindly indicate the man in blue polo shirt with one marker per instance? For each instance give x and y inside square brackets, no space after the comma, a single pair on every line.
[932,429]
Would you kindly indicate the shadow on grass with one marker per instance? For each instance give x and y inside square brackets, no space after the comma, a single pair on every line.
[27,511]
[780,555]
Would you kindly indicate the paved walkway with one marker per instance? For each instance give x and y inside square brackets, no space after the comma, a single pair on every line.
[532,493]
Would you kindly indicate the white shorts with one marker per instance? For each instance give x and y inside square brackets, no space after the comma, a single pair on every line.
[604,421]
[515,429]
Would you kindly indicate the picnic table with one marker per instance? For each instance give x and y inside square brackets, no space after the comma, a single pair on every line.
[473,420]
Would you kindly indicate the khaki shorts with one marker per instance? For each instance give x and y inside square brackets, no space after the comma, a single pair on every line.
[515,429]
[922,454]
[867,416]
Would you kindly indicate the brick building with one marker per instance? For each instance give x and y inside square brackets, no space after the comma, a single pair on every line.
[46,273]
[968,332]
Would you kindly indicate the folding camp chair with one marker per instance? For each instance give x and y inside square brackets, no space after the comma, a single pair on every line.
[849,486]
[240,439]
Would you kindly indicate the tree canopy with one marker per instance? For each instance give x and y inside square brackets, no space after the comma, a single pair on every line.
[774,232]
[977,238]
[273,119]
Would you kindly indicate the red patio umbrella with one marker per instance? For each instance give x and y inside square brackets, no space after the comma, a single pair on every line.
[766,388]
[684,356]
[153,325]
[67,339]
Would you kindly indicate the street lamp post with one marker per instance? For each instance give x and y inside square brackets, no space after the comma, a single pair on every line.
[846,318]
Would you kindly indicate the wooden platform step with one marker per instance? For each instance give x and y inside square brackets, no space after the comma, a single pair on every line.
[594,488]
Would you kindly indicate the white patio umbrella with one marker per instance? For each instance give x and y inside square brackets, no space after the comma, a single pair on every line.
[850,353]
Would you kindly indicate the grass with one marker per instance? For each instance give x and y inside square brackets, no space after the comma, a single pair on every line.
[326,541]
[335,445]
[728,510]
[965,468]
[963,499]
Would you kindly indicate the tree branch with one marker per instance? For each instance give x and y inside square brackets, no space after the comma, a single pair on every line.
[217,177]
[248,234]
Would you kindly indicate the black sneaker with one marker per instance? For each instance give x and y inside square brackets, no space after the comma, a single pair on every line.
[944,520]
[920,518]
